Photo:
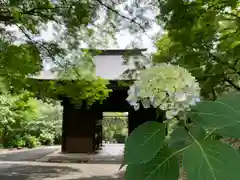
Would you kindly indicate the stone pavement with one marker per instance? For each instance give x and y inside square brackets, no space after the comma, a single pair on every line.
[109,154]
[27,154]
[59,171]
[22,165]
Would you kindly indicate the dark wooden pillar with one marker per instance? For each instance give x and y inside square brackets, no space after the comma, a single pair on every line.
[78,128]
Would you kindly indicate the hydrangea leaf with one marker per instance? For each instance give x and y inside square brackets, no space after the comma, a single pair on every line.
[144,143]
[164,166]
[180,137]
[211,160]
[221,117]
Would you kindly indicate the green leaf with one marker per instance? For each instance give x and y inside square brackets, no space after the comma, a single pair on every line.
[164,166]
[211,160]
[180,137]
[144,143]
[235,44]
[232,100]
[221,117]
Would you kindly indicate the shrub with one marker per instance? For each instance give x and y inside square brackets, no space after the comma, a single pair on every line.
[19,143]
[46,139]
[115,128]
[119,138]
[15,142]
[26,121]
[31,141]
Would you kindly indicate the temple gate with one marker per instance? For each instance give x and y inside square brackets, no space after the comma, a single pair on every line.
[82,130]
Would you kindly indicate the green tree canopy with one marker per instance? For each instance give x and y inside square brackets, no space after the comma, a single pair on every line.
[202,36]
[23,50]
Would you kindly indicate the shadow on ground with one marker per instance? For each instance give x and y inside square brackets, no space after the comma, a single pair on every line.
[33,172]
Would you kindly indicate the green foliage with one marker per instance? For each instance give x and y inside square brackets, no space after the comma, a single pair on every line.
[163,166]
[203,37]
[27,56]
[220,117]
[24,53]
[30,141]
[88,90]
[46,139]
[212,160]
[28,122]
[189,145]
[114,127]
[180,138]
[147,138]
[15,142]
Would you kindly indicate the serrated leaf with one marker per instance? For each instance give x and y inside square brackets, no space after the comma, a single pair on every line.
[144,143]
[180,137]
[211,160]
[220,117]
[164,166]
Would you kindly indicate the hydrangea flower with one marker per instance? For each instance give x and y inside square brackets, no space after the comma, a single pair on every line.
[168,87]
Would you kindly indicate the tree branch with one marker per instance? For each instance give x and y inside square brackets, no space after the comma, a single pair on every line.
[124,17]
[232,83]
[50,54]
[216,59]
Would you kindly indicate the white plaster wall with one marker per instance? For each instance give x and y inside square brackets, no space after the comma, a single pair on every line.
[111,67]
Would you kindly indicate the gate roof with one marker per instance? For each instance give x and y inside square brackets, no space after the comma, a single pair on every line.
[109,64]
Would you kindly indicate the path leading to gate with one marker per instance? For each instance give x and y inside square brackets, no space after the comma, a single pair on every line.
[59,171]
[21,166]
[28,155]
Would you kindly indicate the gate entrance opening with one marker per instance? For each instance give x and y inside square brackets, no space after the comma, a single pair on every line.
[115,127]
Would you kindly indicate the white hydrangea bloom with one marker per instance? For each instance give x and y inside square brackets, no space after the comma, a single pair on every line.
[168,87]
